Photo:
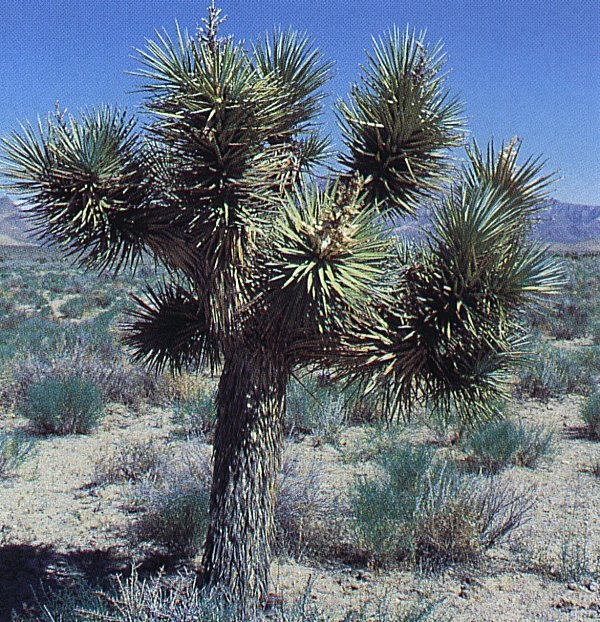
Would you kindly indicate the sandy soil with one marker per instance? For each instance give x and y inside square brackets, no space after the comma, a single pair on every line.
[53,525]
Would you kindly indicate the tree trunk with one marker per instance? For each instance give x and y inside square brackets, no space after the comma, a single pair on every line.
[247,456]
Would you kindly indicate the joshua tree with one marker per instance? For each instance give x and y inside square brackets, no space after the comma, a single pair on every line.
[275,268]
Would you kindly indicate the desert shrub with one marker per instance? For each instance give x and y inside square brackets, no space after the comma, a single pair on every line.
[74,308]
[194,415]
[33,298]
[421,508]
[570,554]
[176,516]
[380,437]
[103,299]
[589,359]
[575,560]
[46,336]
[68,405]
[314,406]
[14,449]
[119,381]
[595,331]
[175,505]
[553,372]
[594,469]
[590,413]
[303,510]
[498,444]
[134,461]
[7,305]
[179,599]
[569,320]
[76,284]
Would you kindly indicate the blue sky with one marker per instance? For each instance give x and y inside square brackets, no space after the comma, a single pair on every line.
[528,67]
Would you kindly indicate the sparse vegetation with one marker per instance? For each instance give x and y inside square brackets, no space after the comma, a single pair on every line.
[590,413]
[316,406]
[314,520]
[132,462]
[553,372]
[419,507]
[498,444]
[68,405]
[15,447]
[134,599]
[74,308]
[174,502]
[305,512]
[567,556]
[175,512]
[195,415]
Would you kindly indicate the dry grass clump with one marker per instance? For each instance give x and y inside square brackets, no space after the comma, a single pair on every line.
[194,415]
[174,504]
[179,599]
[174,499]
[568,556]
[316,406]
[305,512]
[133,462]
[14,450]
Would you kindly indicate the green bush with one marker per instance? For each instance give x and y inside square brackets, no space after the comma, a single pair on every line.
[314,406]
[590,413]
[421,508]
[195,415]
[69,405]
[87,349]
[176,514]
[498,444]
[14,449]
[553,372]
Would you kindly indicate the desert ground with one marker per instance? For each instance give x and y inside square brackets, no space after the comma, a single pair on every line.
[76,509]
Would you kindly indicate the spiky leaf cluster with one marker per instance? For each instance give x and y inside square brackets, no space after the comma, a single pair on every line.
[87,180]
[171,327]
[400,122]
[448,330]
[326,259]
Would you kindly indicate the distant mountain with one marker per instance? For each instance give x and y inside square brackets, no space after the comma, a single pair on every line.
[13,227]
[567,226]
[569,223]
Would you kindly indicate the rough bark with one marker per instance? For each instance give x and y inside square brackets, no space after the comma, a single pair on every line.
[247,456]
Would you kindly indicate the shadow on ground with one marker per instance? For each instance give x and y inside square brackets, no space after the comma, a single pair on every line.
[27,572]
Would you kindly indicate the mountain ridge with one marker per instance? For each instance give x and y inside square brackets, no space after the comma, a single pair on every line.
[566,226]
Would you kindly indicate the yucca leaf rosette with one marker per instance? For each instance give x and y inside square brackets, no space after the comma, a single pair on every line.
[327,257]
[84,182]
[400,122]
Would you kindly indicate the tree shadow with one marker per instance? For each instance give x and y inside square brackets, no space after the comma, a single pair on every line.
[28,571]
